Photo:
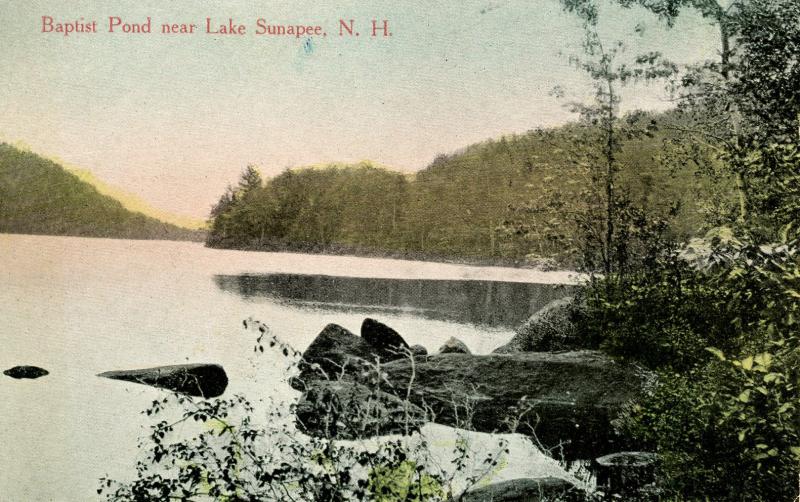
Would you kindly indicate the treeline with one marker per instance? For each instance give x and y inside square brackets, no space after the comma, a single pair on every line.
[38,196]
[466,205]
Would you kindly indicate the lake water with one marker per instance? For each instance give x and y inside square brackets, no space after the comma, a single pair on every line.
[78,307]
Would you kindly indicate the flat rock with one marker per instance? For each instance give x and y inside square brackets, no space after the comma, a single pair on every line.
[549,329]
[454,346]
[27,372]
[627,459]
[566,397]
[200,380]
[625,473]
[382,338]
[526,490]
[347,410]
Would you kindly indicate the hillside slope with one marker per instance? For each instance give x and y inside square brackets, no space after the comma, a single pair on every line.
[38,196]
[466,205]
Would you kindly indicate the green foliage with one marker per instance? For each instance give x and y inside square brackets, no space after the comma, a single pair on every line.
[38,196]
[661,316]
[513,199]
[727,430]
[724,341]
[773,171]
[311,210]
[406,482]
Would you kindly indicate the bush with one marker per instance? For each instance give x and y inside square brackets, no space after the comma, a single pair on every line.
[725,412]
[239,452]
[729,430]
[664,316]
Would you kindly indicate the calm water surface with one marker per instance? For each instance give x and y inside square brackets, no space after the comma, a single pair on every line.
[78,307]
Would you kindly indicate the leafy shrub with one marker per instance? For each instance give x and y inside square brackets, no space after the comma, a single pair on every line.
[728,430]
[725,412]
[239,452]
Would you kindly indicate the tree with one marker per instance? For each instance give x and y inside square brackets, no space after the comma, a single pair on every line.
[746,101]
[250,180]
[604,224]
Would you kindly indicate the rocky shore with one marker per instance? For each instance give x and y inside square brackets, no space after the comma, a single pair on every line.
[565,399]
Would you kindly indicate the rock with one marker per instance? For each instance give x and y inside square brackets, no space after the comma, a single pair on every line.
[454,346]
[201,380]
[526,490]
[549,329]
[625,473]
[347,410]
[419,351]
[569,396]
[29,372]
[334,352]
[383,339]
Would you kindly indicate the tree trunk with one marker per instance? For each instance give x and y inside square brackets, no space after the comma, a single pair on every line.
[610,160]
[736,122]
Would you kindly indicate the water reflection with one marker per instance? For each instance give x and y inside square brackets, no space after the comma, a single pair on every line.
[483,303]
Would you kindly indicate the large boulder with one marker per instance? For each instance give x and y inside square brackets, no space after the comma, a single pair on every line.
[28,372]
[347,410]
[336,352]
[454,346]
[567,397]
[200,380]
[333,352]
[526,490]
[385,340]
[549,329]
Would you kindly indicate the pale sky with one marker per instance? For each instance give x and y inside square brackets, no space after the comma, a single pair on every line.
[175,118]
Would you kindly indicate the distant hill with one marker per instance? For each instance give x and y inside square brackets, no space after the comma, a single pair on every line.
[133,202]
[463,205]
[39,196]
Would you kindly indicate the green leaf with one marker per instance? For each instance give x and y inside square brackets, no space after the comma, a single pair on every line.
[745,396]
[747,363]
[764,359]
[720,355]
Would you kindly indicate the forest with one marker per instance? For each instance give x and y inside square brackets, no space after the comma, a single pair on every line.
[509,200]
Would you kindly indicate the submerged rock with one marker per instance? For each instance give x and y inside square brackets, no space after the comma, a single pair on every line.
[526,490]
[454,346]
[549,329]
[27,372]
[382,338]
[347,410]
[200,380]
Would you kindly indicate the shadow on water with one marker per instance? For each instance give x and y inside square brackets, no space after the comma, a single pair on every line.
[482,303]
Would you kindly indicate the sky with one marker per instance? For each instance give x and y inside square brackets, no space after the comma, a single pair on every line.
[175,118]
